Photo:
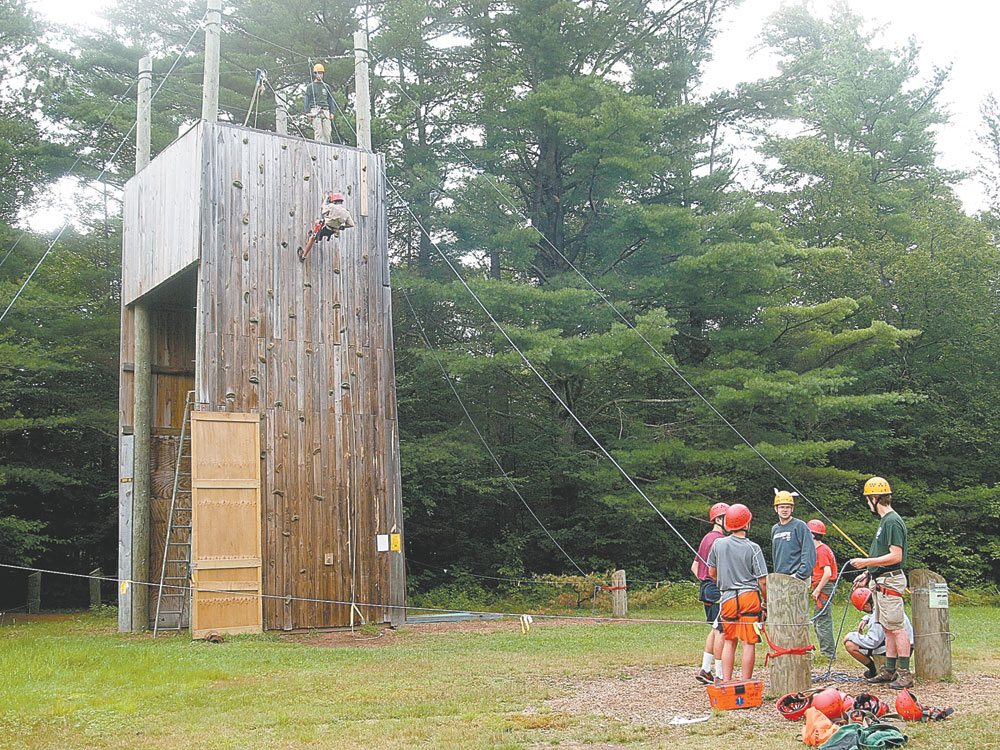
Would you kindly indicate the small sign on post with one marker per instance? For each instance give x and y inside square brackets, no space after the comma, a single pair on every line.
[937,596]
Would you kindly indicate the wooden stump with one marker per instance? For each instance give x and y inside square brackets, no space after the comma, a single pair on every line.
[619,594]
[95,588]
[788,626]
[932,642]
[34,593]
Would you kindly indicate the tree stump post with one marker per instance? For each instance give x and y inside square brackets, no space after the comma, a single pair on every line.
[34,593]
[95,588]
[619,594]
[932,639]
[788,626]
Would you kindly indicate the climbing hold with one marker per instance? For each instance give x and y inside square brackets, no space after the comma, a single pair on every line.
[237,184]
[246,296]
[254,379]
[305,178]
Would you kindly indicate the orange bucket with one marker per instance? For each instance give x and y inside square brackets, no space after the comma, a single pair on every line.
[727,696]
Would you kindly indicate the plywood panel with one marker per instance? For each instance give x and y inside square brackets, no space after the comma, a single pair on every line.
[226,529]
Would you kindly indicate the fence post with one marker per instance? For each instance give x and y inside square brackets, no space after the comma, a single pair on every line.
[95,588]
[932,636]
[788,610]
[619,594]
[34,593]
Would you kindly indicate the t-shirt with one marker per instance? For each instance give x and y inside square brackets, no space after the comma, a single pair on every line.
[891,533]
[738,564]
[792,550]
[703,549]
[873,639]
[824,557]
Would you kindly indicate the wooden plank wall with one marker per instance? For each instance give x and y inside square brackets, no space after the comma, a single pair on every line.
[161,217]
[309,347]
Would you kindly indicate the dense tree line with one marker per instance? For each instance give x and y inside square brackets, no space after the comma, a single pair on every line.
[842,316]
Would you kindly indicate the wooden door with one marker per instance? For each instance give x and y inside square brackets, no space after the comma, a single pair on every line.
[225,539]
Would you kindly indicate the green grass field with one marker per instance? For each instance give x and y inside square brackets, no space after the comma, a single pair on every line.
[75,683]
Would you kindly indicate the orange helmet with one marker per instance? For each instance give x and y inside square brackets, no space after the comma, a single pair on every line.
[860,597]
[719,509]
[908,707]
[830,703]
[816,526]
[335,197]
[869,703]
[738,517]
[793,706]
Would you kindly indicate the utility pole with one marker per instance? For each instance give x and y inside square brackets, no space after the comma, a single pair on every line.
[142,420]
[280,115]
[362,103]
[142,114]
[213,41]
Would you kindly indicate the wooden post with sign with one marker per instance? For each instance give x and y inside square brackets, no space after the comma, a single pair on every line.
[932,636]
[619,594]
[788,627]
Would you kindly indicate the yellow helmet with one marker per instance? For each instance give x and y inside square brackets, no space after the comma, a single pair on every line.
[318,68]
[783,497]
[877,486]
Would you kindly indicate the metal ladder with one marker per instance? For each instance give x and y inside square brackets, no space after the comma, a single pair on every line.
[174,591]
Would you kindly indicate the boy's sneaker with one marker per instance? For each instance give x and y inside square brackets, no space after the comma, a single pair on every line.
[884,677]
[904,679]
[705,678]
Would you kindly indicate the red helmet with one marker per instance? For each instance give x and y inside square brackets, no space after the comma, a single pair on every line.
[908,707]
[793,706]
[816,526]
[829,703]
[738,517]
[860,597]
[335,197]
[719,509]
[871,704]
[846,701]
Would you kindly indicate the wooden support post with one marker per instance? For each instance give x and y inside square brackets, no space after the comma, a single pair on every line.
[619,594]
[142,113]
[95,588]
[280,115]
[362,101]
[788,610]
[126,445]
[34,593]
[213,43]
[932,635]
[142,428]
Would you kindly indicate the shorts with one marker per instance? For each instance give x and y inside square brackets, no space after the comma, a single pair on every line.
[888,608]
[865,645]
[327,231]
[708,594]
[739,615]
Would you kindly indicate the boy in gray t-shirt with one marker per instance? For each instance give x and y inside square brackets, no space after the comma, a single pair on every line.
[738,565]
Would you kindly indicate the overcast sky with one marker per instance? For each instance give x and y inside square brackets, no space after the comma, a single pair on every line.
[960,33]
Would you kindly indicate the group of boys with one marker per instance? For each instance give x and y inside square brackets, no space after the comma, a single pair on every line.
[733,576]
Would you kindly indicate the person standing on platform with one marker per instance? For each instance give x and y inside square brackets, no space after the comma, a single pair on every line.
[319,105]
[708,595]
[885,577]
[823,575]
[792,550]
[737,565]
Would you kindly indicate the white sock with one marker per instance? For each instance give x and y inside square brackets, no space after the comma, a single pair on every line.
[706,662]
[718,668]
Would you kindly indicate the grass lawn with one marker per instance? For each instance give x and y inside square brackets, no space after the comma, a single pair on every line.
[76,683]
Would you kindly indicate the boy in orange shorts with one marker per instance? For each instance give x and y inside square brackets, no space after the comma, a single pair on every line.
[738,566]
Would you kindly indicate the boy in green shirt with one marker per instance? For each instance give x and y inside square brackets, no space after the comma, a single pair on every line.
[887,556]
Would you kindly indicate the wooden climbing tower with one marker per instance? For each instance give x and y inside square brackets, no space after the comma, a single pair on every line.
[216,301]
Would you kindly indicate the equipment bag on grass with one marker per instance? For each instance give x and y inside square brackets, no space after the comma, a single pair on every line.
[879,736]
[818,728]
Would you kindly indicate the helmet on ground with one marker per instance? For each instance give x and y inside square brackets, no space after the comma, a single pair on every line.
[784,497]
[829,702]
[816,526]
[335,197]
[870,704]
[877,486]
[908,707]
[793,706]
[860,597]
[738,517]
[848,702]
[318,68]
[719,509]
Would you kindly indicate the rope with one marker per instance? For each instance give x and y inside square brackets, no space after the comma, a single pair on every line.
[482,438]
[639,333]
[121,145]
[406,608]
